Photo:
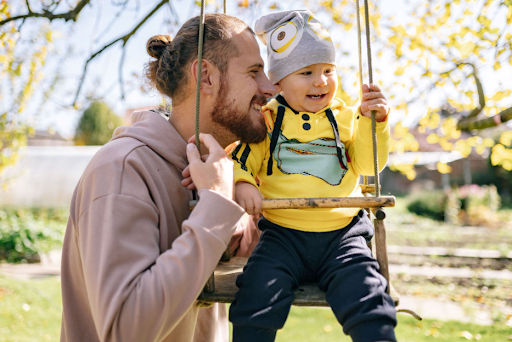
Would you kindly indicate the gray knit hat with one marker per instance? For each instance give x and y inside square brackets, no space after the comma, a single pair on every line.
[288,48]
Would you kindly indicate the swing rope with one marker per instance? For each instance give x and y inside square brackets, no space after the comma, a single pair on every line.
[360,61]
[370,73]
[200,67]
[199,70]
[374,133]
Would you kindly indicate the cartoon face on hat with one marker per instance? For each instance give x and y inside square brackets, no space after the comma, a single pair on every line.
[283,39]
[294,39]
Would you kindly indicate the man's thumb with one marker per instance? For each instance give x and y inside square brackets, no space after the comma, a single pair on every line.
[192,153]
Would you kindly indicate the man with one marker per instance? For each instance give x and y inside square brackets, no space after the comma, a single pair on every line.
[134,258]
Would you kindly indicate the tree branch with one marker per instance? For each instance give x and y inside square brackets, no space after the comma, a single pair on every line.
[71,15]
[121,64]
[480,89]
[28,7]
[124,38]
[480,124]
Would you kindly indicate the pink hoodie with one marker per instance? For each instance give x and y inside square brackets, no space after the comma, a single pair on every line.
[134,257]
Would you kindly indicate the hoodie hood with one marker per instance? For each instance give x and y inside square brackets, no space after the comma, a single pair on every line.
[155,130]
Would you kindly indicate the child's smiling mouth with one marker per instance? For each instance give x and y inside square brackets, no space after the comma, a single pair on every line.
[316,97]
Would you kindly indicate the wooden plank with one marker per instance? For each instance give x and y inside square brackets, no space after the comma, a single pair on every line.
[324,202]
[225,288]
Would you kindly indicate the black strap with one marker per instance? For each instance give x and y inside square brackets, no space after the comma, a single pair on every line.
[334,125]
[235,152]
[282,101]
[275,135]
[243,158]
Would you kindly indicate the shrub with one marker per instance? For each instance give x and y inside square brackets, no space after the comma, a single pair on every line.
[430,204]
[25,233]
[479,205]
[469,204]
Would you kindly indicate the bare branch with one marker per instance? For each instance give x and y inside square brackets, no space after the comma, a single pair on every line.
[71,15]
[480,89]
[28,7]
[124,38]
[113,21]
[480,124]
[121,64]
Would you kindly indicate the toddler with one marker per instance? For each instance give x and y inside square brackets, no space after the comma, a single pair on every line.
[316,147]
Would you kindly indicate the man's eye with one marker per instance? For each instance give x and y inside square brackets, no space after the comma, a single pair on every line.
[254,72]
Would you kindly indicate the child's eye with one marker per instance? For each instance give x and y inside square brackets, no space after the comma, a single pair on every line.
[306,73]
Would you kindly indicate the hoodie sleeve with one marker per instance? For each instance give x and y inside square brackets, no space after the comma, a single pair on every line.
[361,146]
[136,293]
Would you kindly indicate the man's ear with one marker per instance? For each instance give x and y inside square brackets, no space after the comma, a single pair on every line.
[209,76]
[278,87]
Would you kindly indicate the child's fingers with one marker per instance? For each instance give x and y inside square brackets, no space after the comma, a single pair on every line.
[366,105]
[380,108]
[241,203]
[257,205]
[373,95]
[373,87]
[249,206]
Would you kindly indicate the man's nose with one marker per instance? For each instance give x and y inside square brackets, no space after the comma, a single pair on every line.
[266,87]
[320,81]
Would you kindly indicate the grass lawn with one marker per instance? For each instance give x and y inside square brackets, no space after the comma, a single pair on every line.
[319,324]
[30,310]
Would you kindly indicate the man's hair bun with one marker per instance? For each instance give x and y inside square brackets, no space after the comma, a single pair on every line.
[157,44]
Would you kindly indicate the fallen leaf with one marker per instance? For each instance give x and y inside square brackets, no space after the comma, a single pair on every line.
[466,334]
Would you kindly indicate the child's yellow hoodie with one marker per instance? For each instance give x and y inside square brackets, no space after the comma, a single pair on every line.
[308,161]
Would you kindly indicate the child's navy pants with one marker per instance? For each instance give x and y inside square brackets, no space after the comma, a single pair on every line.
[341,263]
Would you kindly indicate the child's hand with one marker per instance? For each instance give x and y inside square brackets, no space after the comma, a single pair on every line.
[248,197]
[374,101]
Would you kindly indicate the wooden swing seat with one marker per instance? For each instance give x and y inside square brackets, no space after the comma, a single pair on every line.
[225,288]
[221,287]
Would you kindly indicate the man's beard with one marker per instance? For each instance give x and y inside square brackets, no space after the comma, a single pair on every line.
[238,121]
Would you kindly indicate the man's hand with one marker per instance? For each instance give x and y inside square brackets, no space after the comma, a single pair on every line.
[187,180]
[248,197]
[376,101]
[216,173]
